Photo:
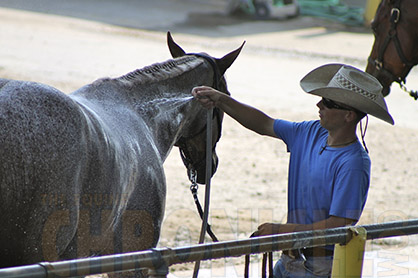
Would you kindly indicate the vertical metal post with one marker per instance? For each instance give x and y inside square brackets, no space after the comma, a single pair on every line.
[348,259]
[370,10]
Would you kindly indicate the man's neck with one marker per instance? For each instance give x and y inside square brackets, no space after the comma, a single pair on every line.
[341,137]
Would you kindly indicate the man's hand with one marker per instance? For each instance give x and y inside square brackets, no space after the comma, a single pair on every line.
[271,229]
[207,96]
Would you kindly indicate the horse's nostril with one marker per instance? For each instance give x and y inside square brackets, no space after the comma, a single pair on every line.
[386,91]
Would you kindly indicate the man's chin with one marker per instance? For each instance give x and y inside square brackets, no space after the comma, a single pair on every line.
[322,123]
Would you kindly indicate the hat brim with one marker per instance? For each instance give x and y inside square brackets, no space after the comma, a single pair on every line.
[316,83]
[360,103]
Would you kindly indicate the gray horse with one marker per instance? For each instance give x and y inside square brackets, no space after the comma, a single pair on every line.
[82,174]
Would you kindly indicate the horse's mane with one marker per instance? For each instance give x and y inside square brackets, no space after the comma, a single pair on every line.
[158,71]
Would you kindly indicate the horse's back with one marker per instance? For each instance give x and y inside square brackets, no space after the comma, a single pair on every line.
[40,147]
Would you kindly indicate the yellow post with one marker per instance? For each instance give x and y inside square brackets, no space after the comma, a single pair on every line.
[348,259]
[370,11]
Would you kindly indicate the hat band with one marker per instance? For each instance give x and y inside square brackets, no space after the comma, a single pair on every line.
[345,83]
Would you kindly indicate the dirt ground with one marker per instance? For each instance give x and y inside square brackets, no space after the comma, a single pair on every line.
[250,185]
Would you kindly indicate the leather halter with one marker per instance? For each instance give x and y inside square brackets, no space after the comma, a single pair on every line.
[378,63]
[185,153]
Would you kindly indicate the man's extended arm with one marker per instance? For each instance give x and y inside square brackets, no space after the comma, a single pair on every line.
[246,115]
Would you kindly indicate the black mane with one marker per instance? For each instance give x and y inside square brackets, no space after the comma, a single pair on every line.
[157,70]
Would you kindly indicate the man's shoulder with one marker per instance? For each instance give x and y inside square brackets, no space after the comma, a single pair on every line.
[299,124]
[313,127]
[291,131]
[355,156]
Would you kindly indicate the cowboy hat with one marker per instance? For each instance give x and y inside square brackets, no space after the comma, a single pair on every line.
[350,86]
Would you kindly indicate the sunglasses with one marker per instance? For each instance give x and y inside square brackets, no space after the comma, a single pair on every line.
[332,105]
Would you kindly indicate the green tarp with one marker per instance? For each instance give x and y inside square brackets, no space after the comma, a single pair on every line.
[334,10]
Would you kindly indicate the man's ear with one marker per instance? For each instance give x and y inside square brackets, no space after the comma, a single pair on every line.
[351,116]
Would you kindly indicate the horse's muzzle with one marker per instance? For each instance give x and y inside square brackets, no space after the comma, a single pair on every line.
[201,172]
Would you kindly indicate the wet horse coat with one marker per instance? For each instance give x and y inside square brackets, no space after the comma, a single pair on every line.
[82,174]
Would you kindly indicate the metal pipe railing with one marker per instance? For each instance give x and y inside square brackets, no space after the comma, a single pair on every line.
[162,258]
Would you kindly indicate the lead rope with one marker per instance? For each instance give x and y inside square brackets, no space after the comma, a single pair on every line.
[266,256]
[209,117]
[411,93]
[193,188]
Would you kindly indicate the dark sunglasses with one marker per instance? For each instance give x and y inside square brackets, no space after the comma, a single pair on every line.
[332,105]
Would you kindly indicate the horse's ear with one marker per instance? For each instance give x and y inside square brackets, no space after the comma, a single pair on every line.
[175,49]
[226,61]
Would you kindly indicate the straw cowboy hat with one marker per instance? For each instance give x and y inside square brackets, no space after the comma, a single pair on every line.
[350,86]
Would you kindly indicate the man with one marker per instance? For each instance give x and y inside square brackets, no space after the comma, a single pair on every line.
[329,170]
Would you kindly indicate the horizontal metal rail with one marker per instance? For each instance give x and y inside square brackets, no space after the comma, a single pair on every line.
[162,258]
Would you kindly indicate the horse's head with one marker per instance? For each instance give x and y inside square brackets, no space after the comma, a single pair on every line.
[395,49]
[193,146]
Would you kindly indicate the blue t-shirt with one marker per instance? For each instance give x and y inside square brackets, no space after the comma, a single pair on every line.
[322,182]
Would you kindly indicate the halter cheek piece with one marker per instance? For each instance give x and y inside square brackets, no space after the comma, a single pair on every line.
[185,152]
[378,63]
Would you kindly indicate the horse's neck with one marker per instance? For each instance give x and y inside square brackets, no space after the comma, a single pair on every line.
[160,95]
[166,118]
